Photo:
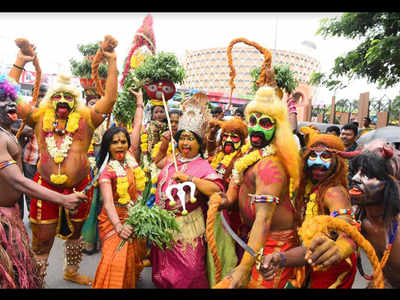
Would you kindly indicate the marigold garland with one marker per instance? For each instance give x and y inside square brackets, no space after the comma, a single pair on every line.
[59,154]
[243,163]
[156,149]
[122,179]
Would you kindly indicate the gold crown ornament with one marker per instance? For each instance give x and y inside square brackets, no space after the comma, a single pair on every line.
[195,114]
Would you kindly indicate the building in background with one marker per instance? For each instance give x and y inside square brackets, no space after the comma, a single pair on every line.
[208,70]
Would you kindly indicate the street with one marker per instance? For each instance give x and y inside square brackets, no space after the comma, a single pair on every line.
[88,266]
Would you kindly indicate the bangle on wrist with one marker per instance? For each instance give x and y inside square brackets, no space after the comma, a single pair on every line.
[18,67]
[283,259]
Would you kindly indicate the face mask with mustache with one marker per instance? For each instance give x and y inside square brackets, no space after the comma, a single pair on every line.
[63,103]
[261,129]
[230,142]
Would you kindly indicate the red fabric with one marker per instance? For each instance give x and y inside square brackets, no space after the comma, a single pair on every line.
[48,211]
[325,279]
[277,241]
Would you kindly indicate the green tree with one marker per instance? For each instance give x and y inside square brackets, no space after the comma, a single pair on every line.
[376,58]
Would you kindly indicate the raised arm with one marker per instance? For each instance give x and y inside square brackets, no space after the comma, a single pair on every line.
[26,54]
[106,103]
[137,124]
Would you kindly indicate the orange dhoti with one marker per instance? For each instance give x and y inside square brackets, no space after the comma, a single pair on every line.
[276,241]
[118,269]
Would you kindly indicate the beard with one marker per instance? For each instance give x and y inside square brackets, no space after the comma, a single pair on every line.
[229,147]
[258,140]
[62,110]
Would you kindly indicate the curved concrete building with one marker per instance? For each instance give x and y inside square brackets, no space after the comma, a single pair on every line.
[208,70]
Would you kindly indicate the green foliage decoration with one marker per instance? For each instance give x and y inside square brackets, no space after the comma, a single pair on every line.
[155,224]
[284,77]
[162,65]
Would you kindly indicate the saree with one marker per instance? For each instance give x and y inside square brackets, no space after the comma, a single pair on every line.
[118,268]
[184,266]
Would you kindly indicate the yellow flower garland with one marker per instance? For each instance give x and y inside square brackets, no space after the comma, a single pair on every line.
[144,142]
[156,149]
[249,159]
[122,178]
[59,154]
[226,159]
[312,205]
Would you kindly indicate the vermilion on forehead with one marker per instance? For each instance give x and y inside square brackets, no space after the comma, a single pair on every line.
[119,137]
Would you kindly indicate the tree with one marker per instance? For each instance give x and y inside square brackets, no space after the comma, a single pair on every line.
[376,58]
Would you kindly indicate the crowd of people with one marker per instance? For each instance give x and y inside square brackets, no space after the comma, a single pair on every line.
[242,190]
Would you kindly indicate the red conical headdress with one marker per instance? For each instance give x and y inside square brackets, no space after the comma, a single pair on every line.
[144,36]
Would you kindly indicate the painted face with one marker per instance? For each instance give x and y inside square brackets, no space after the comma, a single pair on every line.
[119,146]
[8,109]
[63,103]
[364,186]
[174,118]
[319,162]
[261,129]
[188,145]
[158,113]
[157,88]
[230,142]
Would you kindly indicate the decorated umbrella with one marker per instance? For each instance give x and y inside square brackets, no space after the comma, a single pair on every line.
[390,134]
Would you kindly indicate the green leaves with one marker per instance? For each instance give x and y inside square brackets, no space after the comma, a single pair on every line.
[162,65]
[285,78]
[83,68]
[377,57]
[155,224]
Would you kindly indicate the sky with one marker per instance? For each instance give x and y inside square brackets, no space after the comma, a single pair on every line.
[56,36]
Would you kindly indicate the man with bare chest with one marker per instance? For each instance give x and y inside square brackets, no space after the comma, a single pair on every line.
[260,185]
[376,192]
[64,128]
[19,268]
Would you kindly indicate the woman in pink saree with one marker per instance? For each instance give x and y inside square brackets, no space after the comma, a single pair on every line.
[184,266]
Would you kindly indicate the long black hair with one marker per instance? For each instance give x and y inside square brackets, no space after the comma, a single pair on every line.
[198,139]
[106,142]
[374,165]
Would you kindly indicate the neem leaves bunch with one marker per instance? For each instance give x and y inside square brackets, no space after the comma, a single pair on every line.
[162,65]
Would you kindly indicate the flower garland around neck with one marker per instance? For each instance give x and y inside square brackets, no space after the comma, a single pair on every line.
[221,160]
[249,159]
[122,177]
[59,154]
[311,198]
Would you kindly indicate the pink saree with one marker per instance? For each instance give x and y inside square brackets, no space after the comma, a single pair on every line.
[184,266]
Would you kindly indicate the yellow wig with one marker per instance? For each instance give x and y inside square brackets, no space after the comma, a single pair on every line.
[266,101]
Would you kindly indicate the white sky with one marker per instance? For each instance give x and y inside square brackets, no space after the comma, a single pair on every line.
[56,36]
